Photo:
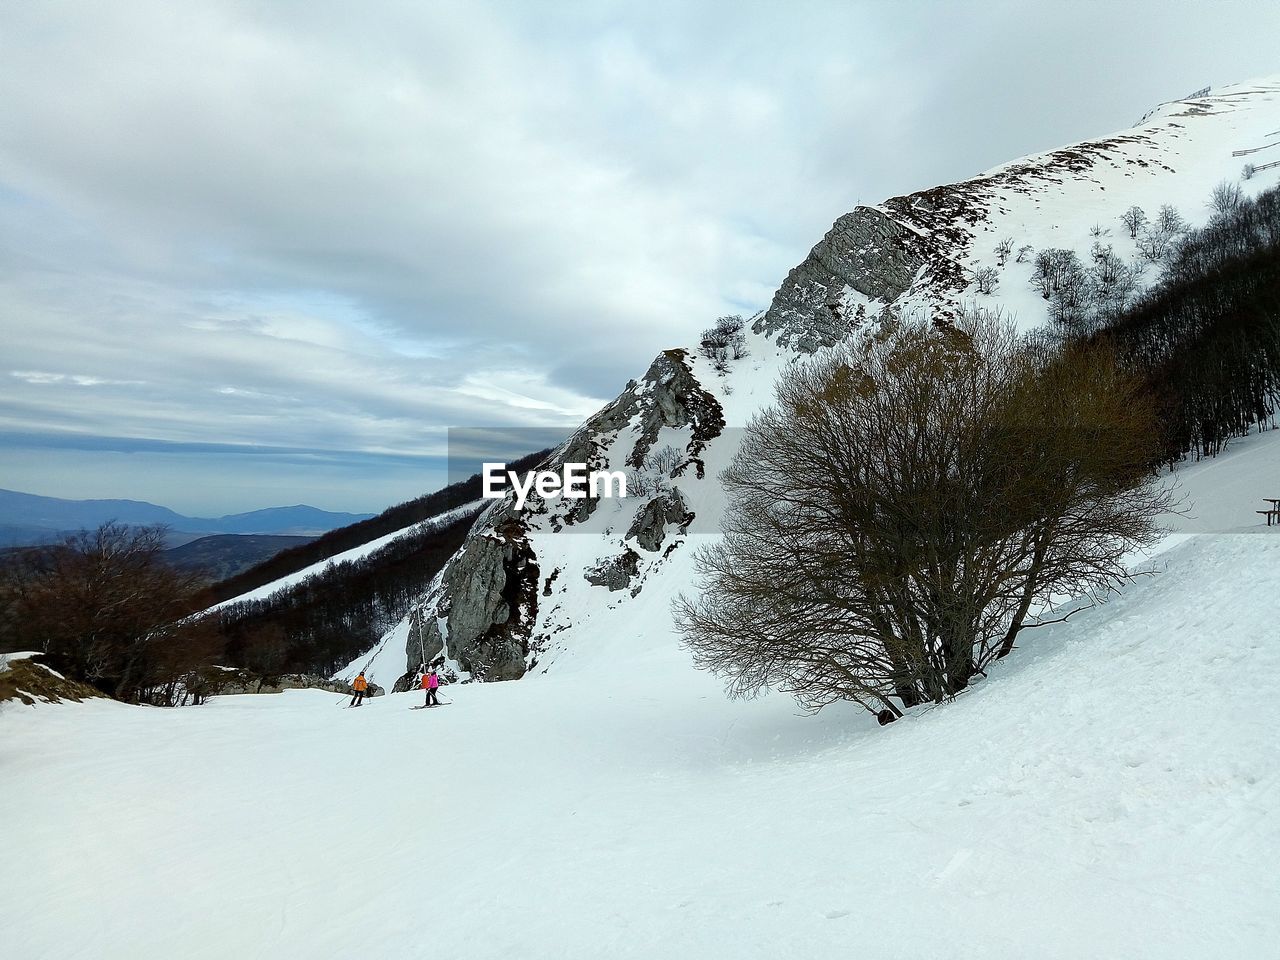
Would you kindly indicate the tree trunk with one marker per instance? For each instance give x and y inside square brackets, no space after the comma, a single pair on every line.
[1028,593]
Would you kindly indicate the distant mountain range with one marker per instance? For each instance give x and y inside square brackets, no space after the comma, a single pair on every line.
[26,518]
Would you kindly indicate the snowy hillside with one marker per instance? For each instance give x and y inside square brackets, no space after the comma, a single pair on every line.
[1110,792]
[355,553]
[534,589]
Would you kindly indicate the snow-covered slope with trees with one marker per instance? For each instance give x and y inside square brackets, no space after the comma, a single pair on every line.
[530,589]
[1109,792]
[355,553]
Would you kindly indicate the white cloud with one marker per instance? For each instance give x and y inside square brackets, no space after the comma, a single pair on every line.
[353,227]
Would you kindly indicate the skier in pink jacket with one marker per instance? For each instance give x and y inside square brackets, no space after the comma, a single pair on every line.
[431,683]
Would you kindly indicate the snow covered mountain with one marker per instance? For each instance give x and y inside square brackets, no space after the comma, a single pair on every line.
[1109,792]
[537,588]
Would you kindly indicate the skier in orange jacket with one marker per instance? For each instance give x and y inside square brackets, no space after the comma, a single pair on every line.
[359,686]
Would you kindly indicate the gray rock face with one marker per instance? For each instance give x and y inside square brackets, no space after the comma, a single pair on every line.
[668,395]
[487,595]
[489,599]
[475,583]
[239,682]
[583,447]
[614,572]
[425,643]
[866,250]
[649,528]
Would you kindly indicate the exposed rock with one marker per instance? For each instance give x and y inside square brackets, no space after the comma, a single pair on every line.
[482,609]
[614,572]
[650,524]
[425,640]
[546,587]
[488,600]
[668,395]
[405,683]
[585,447]
[917,241]
[233,682]
[866,250]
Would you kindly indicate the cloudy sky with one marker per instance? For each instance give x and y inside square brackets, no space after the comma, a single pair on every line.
[260,253]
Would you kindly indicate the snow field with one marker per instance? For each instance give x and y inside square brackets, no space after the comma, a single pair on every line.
[1111,791]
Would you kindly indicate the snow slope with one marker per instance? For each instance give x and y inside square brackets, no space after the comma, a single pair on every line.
[355,553]
[1224,493]
[8,658]
[1111,792]
[384,663]
[1175,155]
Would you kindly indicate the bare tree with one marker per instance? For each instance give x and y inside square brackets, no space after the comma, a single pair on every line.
[1113,283]
[724,342]
[910,501]
[987,278]
[1071,306]
[1003,250]
[1052,268]
[1133,219]
[1154,244]
[1226,197]
[1170,221]
[106,609]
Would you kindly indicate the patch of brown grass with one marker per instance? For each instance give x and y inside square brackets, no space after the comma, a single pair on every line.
[28,681]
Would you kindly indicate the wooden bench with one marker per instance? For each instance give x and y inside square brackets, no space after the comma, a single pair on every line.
[1273,513]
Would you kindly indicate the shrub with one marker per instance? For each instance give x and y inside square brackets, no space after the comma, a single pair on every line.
[908,501]
[987,278]
[724,342]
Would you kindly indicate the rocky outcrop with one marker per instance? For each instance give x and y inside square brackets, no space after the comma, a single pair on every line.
[222,681]
[493,605]
[587,446]
[668,395]
[649,528]
[913,242]
[614,572]
[481,610]
[867,251]
[484,606]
